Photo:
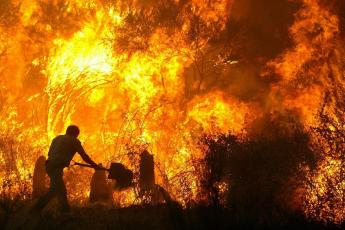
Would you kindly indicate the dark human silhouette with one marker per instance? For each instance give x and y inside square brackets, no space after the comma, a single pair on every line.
[61,152]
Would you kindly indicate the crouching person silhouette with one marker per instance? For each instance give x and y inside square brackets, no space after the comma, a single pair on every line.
[61,152]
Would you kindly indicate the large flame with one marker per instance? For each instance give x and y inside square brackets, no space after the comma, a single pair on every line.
[123,100]
[312,77]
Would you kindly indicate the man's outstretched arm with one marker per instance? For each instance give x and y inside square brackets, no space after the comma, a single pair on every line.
[86,157]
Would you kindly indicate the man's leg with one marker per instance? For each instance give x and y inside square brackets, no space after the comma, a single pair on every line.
[43,201]
[62,193]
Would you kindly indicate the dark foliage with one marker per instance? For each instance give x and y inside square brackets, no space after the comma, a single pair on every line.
[258,173]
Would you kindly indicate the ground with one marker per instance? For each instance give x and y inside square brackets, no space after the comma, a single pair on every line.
[146,217]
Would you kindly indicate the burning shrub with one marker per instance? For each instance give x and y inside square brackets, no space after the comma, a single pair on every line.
[17,151]
[258,173]
[325,187]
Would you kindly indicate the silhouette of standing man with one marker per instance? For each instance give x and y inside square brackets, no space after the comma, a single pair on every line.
[61,152]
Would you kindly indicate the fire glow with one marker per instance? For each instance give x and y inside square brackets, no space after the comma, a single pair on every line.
[134,79]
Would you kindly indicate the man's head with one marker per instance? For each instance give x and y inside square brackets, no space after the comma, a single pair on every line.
[72,130]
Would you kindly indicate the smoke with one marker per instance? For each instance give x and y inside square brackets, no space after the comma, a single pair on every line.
[234,61]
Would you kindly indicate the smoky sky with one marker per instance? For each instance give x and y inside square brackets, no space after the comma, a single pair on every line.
[256,32]
[265,25]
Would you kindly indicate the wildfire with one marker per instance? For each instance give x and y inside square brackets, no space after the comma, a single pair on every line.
[133,99]
[311,70]
[134,78]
